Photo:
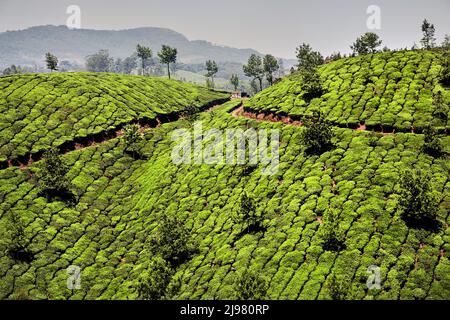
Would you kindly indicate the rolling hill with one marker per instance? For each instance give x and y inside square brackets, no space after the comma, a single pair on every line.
[28,47]
[122,202]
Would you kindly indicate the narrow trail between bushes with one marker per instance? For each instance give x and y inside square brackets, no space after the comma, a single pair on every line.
[78,143]
[296,121]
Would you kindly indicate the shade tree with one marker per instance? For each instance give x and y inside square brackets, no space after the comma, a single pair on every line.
[367,43]
[168,55]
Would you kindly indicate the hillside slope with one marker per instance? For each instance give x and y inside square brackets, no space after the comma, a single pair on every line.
[392,90]
[30,45]
[42,110]
[121,203]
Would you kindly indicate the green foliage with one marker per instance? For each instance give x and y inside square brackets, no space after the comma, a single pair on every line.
[154,282]
[381,90]
[270,64]
[428,40]
[317,134]
[338,287]
[99,62]
[64,107]
[307,58]
[441,108]
[144,53]
[172,240]
[51,177]
[234,80]
[168,55]
[367,43]
[255,69]
[418,203]
[51,61]
[251,286]
[311,84]
[331,232]
[17,238]
[212,69]
[433,144]
[133,140]
[251,220]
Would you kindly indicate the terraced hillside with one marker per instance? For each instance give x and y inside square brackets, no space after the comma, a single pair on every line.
[120,202]
[386,91]
[42,110]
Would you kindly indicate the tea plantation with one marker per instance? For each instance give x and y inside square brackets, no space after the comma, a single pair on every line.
[42,110]
[120,200]
[390,91]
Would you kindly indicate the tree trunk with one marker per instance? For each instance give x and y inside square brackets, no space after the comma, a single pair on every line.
[168,69]
[260,83]
[142,66]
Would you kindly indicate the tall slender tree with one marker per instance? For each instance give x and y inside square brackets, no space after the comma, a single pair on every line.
[255,69]
[270,66]
[168,55]
[212,69]
[144,53]
[234,81]
[428,40]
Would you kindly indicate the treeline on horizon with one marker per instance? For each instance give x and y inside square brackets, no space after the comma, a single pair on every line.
[260,71]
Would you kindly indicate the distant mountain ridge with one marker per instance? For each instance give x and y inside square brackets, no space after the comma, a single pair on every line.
[28,47]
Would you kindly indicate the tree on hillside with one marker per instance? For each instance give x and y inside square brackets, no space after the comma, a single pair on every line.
[418,202]
[52,180]
[270,66]
[13,69]
[251,286]
[428,40]
[99,62]
[433,144]
[311,84]
[307,58]
[247,215]
[153,282]
[331,233]
[168,55]
[337,287]
[441,109]
[172,240]
[143,53]
[128,64]
[133,140]
[16,237]
[446,43]
[234,81]
[212,69]
[317,134]
[367,43]
[51,61]
[255,69]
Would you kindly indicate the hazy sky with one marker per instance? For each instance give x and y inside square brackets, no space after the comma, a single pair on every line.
[270,26]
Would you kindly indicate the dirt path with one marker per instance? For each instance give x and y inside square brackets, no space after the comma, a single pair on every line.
[295,121]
